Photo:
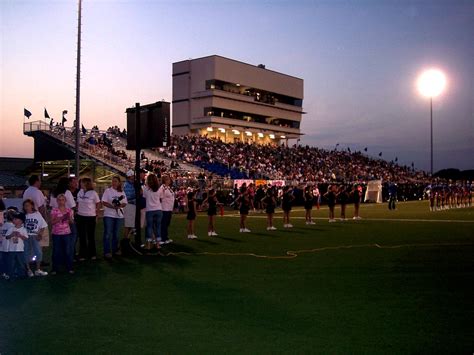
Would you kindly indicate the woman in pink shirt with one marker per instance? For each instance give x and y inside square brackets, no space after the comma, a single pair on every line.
[61,219]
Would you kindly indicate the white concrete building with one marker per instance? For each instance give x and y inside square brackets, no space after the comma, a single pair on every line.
[235,101]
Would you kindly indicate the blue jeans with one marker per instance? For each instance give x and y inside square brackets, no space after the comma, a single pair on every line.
[15,263]
[165,223]
[62,251]
[33,251]
[111,231]
[153,225]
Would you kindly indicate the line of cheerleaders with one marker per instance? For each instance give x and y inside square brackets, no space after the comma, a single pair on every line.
[445,197]
[268,199]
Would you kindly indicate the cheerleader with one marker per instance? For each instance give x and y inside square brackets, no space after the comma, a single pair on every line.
[308,204]
[286,203]
[330,195]
[191,216]
[317,196]
[356,197]
[343,197]
[245,203]
[211,202]
[269,202]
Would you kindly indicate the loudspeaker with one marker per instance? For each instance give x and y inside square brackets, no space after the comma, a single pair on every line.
[154,126]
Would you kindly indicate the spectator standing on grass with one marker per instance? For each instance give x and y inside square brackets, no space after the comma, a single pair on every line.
[308,204]
[62,218]
[167,203]
[16,236]
[4,242]
[130,209]
[113,200]
[286,205]
[154,212]
[2,205]
[34,193]
[62,188]
[35,226]
[191,216]
[88,204]
[331,196]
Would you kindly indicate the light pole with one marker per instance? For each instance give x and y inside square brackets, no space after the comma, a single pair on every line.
[431,83]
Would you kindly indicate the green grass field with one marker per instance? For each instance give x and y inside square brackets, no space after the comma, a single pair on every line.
[394,282]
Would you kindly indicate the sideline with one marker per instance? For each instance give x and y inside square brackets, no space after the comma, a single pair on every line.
[292,254]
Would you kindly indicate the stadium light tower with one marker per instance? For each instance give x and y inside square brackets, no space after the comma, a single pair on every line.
[431,83]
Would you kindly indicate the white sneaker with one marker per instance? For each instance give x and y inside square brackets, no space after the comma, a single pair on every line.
[161,242]
[289,226]
[41,273]
[332,220]
[214,234]
[285,226]
[269,228]
[246,230]
[241,230]
[169,241]
[273,228]
[194,236]
[30,273]
[311,222]
[306,223]
[190,236]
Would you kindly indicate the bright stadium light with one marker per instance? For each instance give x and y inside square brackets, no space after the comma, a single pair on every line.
[260,135]
[431,83]
[222,130]
[209,129]
[235,131]
[283,137]
[272,136]
[248,133]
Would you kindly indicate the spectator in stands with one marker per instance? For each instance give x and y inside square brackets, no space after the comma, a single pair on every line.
[34,194]
[113,200]
[154,212]
[167,203]
[62,218]
[88,204]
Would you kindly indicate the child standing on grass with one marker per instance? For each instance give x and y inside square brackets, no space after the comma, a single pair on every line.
[331,198]
[61,219]
[269,202]
[211,202]
[191,217]
[16,235]
[35,225]
[4,243]
[308,204]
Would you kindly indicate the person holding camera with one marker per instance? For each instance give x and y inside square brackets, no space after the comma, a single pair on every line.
[113,200]
[167,198]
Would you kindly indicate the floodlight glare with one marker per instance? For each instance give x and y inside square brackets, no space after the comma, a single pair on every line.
[431,83]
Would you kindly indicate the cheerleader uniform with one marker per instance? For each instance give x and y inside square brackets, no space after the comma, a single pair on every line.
[191,216]
[212,210]
[308,201]
[286,202]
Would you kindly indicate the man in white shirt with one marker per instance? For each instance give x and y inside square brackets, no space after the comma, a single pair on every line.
[34,193]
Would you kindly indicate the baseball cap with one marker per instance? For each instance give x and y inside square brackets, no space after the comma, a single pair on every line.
[130,173]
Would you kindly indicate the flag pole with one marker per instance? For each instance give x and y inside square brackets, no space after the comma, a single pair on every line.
[78,90]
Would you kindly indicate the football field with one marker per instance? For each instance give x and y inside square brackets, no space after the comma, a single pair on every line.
[394,282]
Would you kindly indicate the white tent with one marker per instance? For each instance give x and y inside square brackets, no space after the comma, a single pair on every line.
[374,191]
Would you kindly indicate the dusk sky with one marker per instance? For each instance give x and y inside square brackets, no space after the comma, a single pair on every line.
[359,61]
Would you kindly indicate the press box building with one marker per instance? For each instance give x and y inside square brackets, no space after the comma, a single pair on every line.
[235,101]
